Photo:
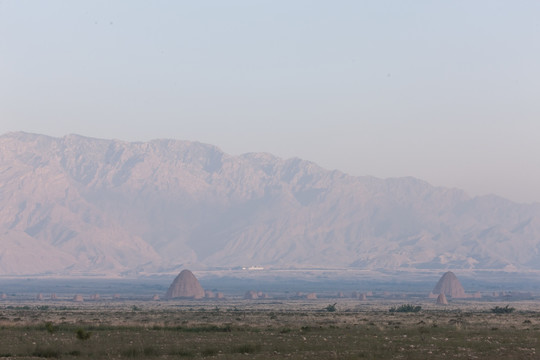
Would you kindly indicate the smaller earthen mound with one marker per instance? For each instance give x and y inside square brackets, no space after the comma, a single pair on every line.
[441,300]
[95,297]
[78,298]
[363,297]
[449,285]
[155,297]
[53,296]
[311,296]
[340,294]
[251,295]
[209,294]
[116,297]
[185,285]
[39,297]
[220,295]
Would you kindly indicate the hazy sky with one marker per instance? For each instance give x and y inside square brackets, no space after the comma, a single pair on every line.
[445,91]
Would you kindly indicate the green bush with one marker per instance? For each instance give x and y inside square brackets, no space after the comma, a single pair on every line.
[83,335]
[50,327]
[46,353]
[502,310]
[130,353]
[331,308]
[150,351]
[182,353]
[246,349]
[209,352]
[406,308]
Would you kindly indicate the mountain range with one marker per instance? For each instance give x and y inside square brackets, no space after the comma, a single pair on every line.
[82,206]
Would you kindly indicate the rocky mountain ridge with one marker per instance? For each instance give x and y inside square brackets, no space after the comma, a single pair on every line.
[77,205]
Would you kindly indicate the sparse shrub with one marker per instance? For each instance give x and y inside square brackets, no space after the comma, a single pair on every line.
[246,349]
[205,328]
[502,310]
[83,335]
[130,353]
[50,327]
[331,308]
[182,353]
[150,351]
[209,352]
[406,308]
[46,353]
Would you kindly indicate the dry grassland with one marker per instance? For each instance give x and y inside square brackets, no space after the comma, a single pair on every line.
[266,330]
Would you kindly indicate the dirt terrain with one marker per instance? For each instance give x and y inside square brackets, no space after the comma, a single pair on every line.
[289,329]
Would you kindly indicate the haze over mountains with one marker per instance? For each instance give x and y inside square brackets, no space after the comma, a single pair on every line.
[76,206]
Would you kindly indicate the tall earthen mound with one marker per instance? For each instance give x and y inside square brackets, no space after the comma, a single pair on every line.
[441,300]
[185,285]
[449,285]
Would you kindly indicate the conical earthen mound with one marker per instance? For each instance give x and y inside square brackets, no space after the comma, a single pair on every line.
[449,285]
[441,300]
[185,285]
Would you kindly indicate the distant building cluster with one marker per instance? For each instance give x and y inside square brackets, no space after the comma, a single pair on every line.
[187,286]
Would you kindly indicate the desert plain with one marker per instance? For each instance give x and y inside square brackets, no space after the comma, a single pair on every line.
[324,328]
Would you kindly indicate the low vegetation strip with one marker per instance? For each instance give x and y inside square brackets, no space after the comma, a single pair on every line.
[277,334]
[406,308]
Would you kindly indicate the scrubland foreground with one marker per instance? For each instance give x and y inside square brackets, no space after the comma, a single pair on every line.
[266,330]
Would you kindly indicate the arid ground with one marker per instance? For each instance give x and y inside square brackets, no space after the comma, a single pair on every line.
[267,329]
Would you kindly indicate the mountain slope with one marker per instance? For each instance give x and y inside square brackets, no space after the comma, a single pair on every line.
[76,205]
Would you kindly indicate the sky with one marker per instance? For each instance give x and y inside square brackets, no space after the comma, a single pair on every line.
[444,91]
